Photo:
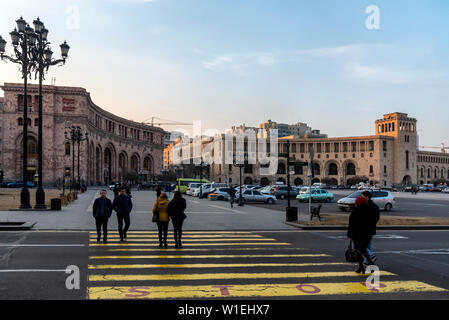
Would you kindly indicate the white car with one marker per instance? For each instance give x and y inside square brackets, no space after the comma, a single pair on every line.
[222,193]
[383,198]
[266,190]
[445,190]
[256,196]
[191,187]
[305,190]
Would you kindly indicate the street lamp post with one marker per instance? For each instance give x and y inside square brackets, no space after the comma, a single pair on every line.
[42,58]
[23,39]
[75,136]
[240,166]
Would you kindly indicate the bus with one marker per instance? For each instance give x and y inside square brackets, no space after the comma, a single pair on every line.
[183,183]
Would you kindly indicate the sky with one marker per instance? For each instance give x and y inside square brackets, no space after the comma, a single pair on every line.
[228,62]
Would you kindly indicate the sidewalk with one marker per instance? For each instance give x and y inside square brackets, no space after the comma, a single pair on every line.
[202,215]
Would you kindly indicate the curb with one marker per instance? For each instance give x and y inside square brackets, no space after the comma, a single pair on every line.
[17,226]
[399,227]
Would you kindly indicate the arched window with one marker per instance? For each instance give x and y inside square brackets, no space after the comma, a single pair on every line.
[371,169]
[281,168]
[32,146]
[20,122]
[428,172]
[422,172]
[36,122]
[316,169]
[67,148]
[29,122]
[435,173]
[350,169]
[333,169]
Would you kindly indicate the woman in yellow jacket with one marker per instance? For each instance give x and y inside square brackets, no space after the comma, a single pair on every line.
[161,206]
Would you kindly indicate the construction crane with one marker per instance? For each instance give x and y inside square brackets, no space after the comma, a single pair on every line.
[172,122]
[442,148]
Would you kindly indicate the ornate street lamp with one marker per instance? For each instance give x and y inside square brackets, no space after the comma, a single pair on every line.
[42,60]
[32,53]
[23,40]
[75,136]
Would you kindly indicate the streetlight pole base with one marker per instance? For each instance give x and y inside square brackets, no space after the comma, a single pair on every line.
[25,199]
[40,199]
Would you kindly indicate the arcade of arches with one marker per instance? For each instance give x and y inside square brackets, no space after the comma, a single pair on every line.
[105,166]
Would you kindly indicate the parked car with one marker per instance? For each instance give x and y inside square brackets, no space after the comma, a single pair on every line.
[250,186]
[282,191]
[389,188]
[434,189]
[317,195]
[306,189]
[222,193]
[384,199]
[147,185]
[266,190]
[446,190]
[192,186]
[208,187]
[256,196]
[19,184]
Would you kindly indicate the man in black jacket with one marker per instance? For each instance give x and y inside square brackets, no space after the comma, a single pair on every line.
[375,216]
[123,205]
[360,229]
[102,210]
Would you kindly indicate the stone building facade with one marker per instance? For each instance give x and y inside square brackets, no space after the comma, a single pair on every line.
[390,157]
[116,147]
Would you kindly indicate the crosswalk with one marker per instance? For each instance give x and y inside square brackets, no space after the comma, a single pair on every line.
[225,264]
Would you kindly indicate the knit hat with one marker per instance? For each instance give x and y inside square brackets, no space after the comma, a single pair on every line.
[360,201]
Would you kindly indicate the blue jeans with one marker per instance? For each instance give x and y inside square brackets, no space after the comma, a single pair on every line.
[370,251]
[231,200]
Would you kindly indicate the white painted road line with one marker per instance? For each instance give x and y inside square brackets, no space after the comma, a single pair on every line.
[420,251]
[224,208]
[386,236]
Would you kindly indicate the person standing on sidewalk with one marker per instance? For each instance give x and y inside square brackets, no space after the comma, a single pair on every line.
[375,216]
[176,209]
[160,210]
[360,230]
[123,206]
[102,210]
[158,191]
[168,189]
[232,196]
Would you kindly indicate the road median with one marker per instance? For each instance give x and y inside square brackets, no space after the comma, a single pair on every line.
[340,222]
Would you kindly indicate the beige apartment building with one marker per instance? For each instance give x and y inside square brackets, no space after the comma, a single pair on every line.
[390,157]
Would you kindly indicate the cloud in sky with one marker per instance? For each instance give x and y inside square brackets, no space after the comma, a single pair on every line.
[217,62]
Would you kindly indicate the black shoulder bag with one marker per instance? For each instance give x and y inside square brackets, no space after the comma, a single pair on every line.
[351,254]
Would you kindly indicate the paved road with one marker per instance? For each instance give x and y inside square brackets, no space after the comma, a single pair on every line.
[421,205]
[259,264]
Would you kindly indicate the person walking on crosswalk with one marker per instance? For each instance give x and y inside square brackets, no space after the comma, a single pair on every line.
[160,210]
[102,210]
[360,230]
[375,216]
[176,209]
[123,205]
